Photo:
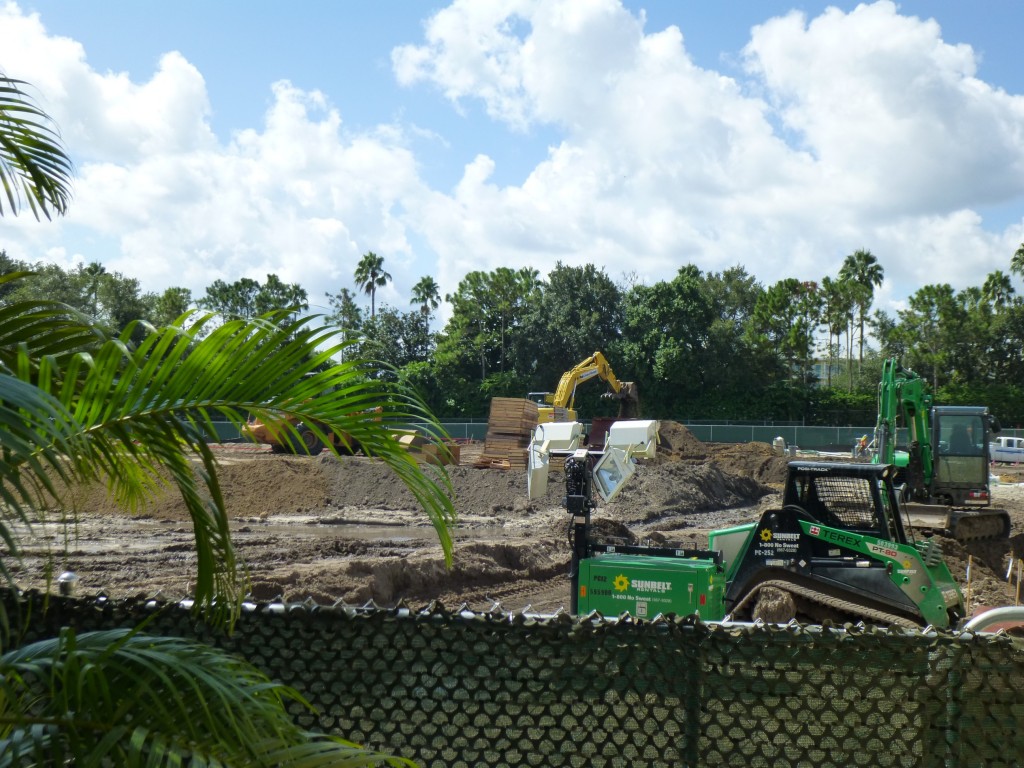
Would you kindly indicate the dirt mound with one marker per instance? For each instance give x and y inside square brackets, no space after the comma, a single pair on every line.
[257,484]
[677,443]
[659,490]
[755,460]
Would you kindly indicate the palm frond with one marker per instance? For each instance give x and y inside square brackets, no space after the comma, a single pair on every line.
[30,416]
[33,164]
[121,697]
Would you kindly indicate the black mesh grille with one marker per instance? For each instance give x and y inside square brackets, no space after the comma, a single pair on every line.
[846,500]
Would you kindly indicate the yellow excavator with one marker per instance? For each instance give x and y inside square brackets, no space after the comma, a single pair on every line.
[558,406]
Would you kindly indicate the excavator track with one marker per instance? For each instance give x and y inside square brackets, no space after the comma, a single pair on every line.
[826,601]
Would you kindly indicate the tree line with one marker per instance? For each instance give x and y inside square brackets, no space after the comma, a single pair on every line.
[703,345]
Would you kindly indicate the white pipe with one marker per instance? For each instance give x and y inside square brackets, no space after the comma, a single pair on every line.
[1006,613]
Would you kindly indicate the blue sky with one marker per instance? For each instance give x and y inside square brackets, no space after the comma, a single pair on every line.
[216,140]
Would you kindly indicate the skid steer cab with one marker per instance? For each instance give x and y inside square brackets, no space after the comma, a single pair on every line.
[838,549]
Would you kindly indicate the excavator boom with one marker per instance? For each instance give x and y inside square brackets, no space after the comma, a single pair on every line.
[595,366]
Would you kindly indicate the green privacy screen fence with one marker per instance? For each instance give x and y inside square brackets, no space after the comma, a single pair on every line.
[812,438]
[462,689]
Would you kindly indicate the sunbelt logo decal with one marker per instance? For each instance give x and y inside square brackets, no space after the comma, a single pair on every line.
[622,582]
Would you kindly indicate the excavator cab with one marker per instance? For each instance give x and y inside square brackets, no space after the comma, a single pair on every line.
[961,435]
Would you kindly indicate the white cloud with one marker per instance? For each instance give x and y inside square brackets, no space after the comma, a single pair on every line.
[882,95]
[298,196]
[850,130]
[860,129]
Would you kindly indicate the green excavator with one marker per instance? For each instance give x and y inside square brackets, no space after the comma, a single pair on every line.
[943,466]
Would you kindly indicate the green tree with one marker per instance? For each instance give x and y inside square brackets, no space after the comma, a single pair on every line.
[732,373]
[998,289]
[513,292]
[346,312]
[892,342]
[50,281]
[1004,361]
[346,315]
[395,338]
[786,317]
[121,302]
[248,298]
[488,313]
[863,270]
[34,167]
[929,328]
[838,303]
[274,294]
[577,311]
[664,327]
[370,276]
[237,299]
[165,308]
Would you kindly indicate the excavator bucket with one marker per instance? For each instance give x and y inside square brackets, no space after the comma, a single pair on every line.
[629,400]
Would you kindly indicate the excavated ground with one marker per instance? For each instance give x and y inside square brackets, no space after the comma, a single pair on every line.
[331,529]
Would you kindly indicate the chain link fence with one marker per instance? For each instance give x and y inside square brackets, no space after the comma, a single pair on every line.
[463,689]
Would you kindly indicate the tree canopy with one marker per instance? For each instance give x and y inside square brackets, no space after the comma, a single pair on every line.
[701,345]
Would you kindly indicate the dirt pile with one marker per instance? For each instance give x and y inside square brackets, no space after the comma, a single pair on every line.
[676,444]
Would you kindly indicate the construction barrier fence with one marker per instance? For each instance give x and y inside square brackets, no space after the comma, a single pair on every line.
[462,689]
[805,438]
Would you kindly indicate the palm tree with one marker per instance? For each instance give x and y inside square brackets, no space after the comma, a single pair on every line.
[863,270]
[426,294]
[93,274]
[370,276]
[1017,261]
[33,164]
[81,406]
[997,289]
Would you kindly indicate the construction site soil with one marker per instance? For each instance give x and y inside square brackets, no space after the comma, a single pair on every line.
[331,529]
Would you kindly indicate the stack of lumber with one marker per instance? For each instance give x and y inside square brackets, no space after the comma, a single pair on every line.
[510,427]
